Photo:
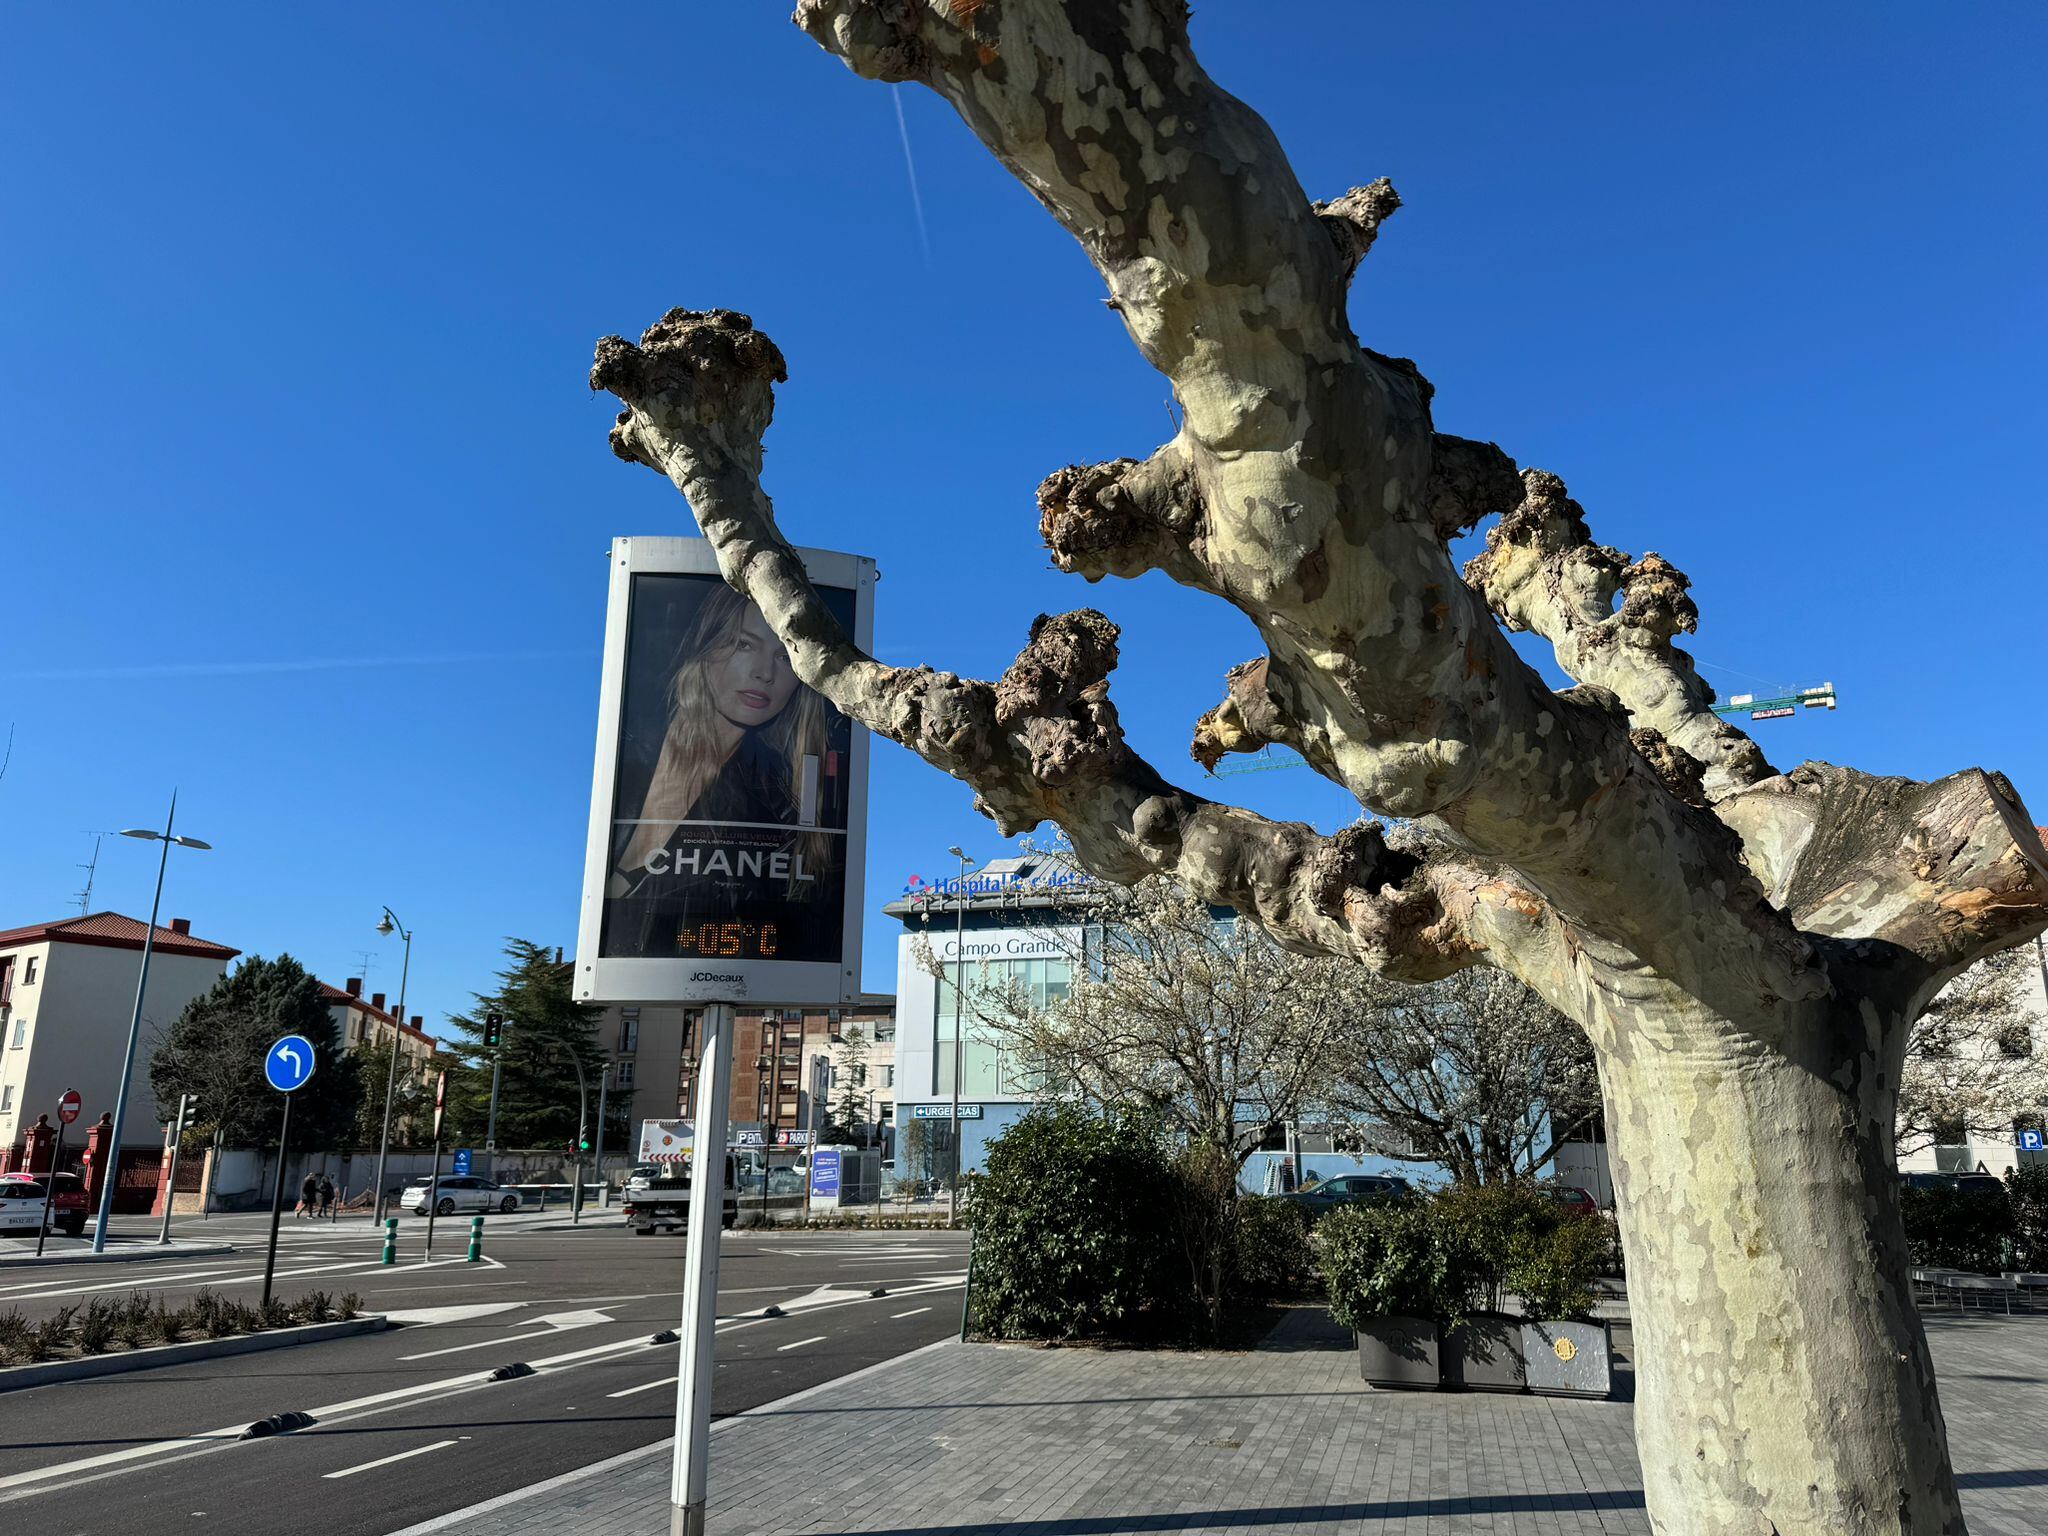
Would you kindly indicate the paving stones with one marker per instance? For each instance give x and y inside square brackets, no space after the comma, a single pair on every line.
[977,1440]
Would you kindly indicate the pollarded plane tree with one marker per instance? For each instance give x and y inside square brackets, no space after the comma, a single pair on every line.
[1745,948]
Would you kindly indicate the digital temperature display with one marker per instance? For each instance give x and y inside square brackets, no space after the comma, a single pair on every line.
[747,941]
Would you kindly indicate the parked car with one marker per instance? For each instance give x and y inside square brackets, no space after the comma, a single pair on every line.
[1961,1183]
[1574,1200]
[643,1174]
[21,1205]
[67,1205]
[463,1193]
[1349,1189]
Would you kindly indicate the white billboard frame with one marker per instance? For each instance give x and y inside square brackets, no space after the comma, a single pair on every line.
[753,982]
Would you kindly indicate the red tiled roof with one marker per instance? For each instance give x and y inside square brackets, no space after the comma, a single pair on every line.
[113,931]
[336,995]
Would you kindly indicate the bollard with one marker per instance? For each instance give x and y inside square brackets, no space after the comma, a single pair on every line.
[476,1238]
[390,1240]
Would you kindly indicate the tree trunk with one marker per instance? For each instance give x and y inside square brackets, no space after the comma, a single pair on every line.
[1783,1383]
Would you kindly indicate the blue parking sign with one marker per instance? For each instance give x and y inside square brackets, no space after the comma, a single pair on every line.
[825,1172]
[2030,1141]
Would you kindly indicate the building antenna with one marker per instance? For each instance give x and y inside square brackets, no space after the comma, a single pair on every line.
[84,897]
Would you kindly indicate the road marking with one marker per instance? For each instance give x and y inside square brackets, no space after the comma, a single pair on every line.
[800,1343]
[385,1461]
[645,1386]
[427,1317]
[21,1485]
[893,1316]
[557,1322]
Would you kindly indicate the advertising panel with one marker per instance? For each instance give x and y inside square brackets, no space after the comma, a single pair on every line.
[728,804]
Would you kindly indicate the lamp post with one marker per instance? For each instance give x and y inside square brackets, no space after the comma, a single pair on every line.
[959,1020]
[112,1175]
[765,1065]
[582,1132]
[387,925]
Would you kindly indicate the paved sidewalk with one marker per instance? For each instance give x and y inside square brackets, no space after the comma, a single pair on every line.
[20,1252]
[1285,1441]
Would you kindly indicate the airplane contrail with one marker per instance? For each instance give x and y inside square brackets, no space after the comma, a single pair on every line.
[304,664]
[916,199]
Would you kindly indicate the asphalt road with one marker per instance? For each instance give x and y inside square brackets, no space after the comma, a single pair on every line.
[407,1426]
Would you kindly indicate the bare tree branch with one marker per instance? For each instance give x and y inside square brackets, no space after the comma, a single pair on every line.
[1542,571]
[1042,743]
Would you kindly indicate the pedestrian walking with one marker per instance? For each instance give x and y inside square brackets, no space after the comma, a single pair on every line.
[326,1195]
[309,1197]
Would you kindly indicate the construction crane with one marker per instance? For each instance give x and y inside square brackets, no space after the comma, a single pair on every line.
[1782,705]
[1777,707]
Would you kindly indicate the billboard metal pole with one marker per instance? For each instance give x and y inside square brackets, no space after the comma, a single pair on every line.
[959,1021]
[691,1466]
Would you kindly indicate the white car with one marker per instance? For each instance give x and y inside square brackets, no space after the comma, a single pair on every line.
[21,1206]
[455,1193]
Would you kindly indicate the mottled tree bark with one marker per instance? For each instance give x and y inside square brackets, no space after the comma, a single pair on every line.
[1745,948]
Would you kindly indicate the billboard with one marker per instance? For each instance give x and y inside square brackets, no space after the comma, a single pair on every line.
[728,805]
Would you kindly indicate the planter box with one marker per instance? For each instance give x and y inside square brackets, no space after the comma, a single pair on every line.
[1484,1354]
[1565,1359]
[1400,1352]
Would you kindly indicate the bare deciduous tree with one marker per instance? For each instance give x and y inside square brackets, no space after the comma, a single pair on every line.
[1746,948]
[1973,1059]
[1206,1023]
[1475,1072]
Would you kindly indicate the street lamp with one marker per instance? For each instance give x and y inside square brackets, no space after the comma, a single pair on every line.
[110,1177]
[959,1018]
[387,925]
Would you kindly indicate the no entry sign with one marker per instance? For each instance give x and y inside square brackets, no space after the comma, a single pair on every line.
[69,1106]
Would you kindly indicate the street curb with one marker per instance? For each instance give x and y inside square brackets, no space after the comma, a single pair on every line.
[15,1378]
[627,1458]
[11,1261]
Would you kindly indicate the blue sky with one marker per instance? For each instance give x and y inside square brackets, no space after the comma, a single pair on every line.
[306,501]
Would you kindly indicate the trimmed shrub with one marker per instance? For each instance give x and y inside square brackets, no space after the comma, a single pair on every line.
[1072,1230]
[1486,1225]
[15,1331]
[1273,1256]
[50,1335]
[97,1325]
[2027,1190]
[1553,1272]
[1966,1229]
[1386,1260]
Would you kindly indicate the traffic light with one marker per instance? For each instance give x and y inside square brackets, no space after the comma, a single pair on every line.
[494,1030]
[582,1141]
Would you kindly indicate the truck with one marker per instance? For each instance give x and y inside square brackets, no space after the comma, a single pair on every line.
[658,1193]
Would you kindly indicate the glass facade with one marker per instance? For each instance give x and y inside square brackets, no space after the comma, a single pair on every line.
[988,1068]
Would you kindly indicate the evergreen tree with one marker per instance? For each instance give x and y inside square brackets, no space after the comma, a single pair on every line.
[849,1114]
[412,1099]
[546,1032]
[216,1048]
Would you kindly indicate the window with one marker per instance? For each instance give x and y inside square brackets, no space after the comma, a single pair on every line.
[622,1074]
[629,1031]
[1950,1133]
[889,1076]
[6,1098]
[987,1070]
[1274,1137]
[2016,1041]
[20,1033]
[28,976]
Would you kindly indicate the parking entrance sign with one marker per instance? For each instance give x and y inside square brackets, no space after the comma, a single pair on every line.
[462,1162]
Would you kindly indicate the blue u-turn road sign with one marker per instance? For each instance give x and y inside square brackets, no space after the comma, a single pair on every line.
[289,1063]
